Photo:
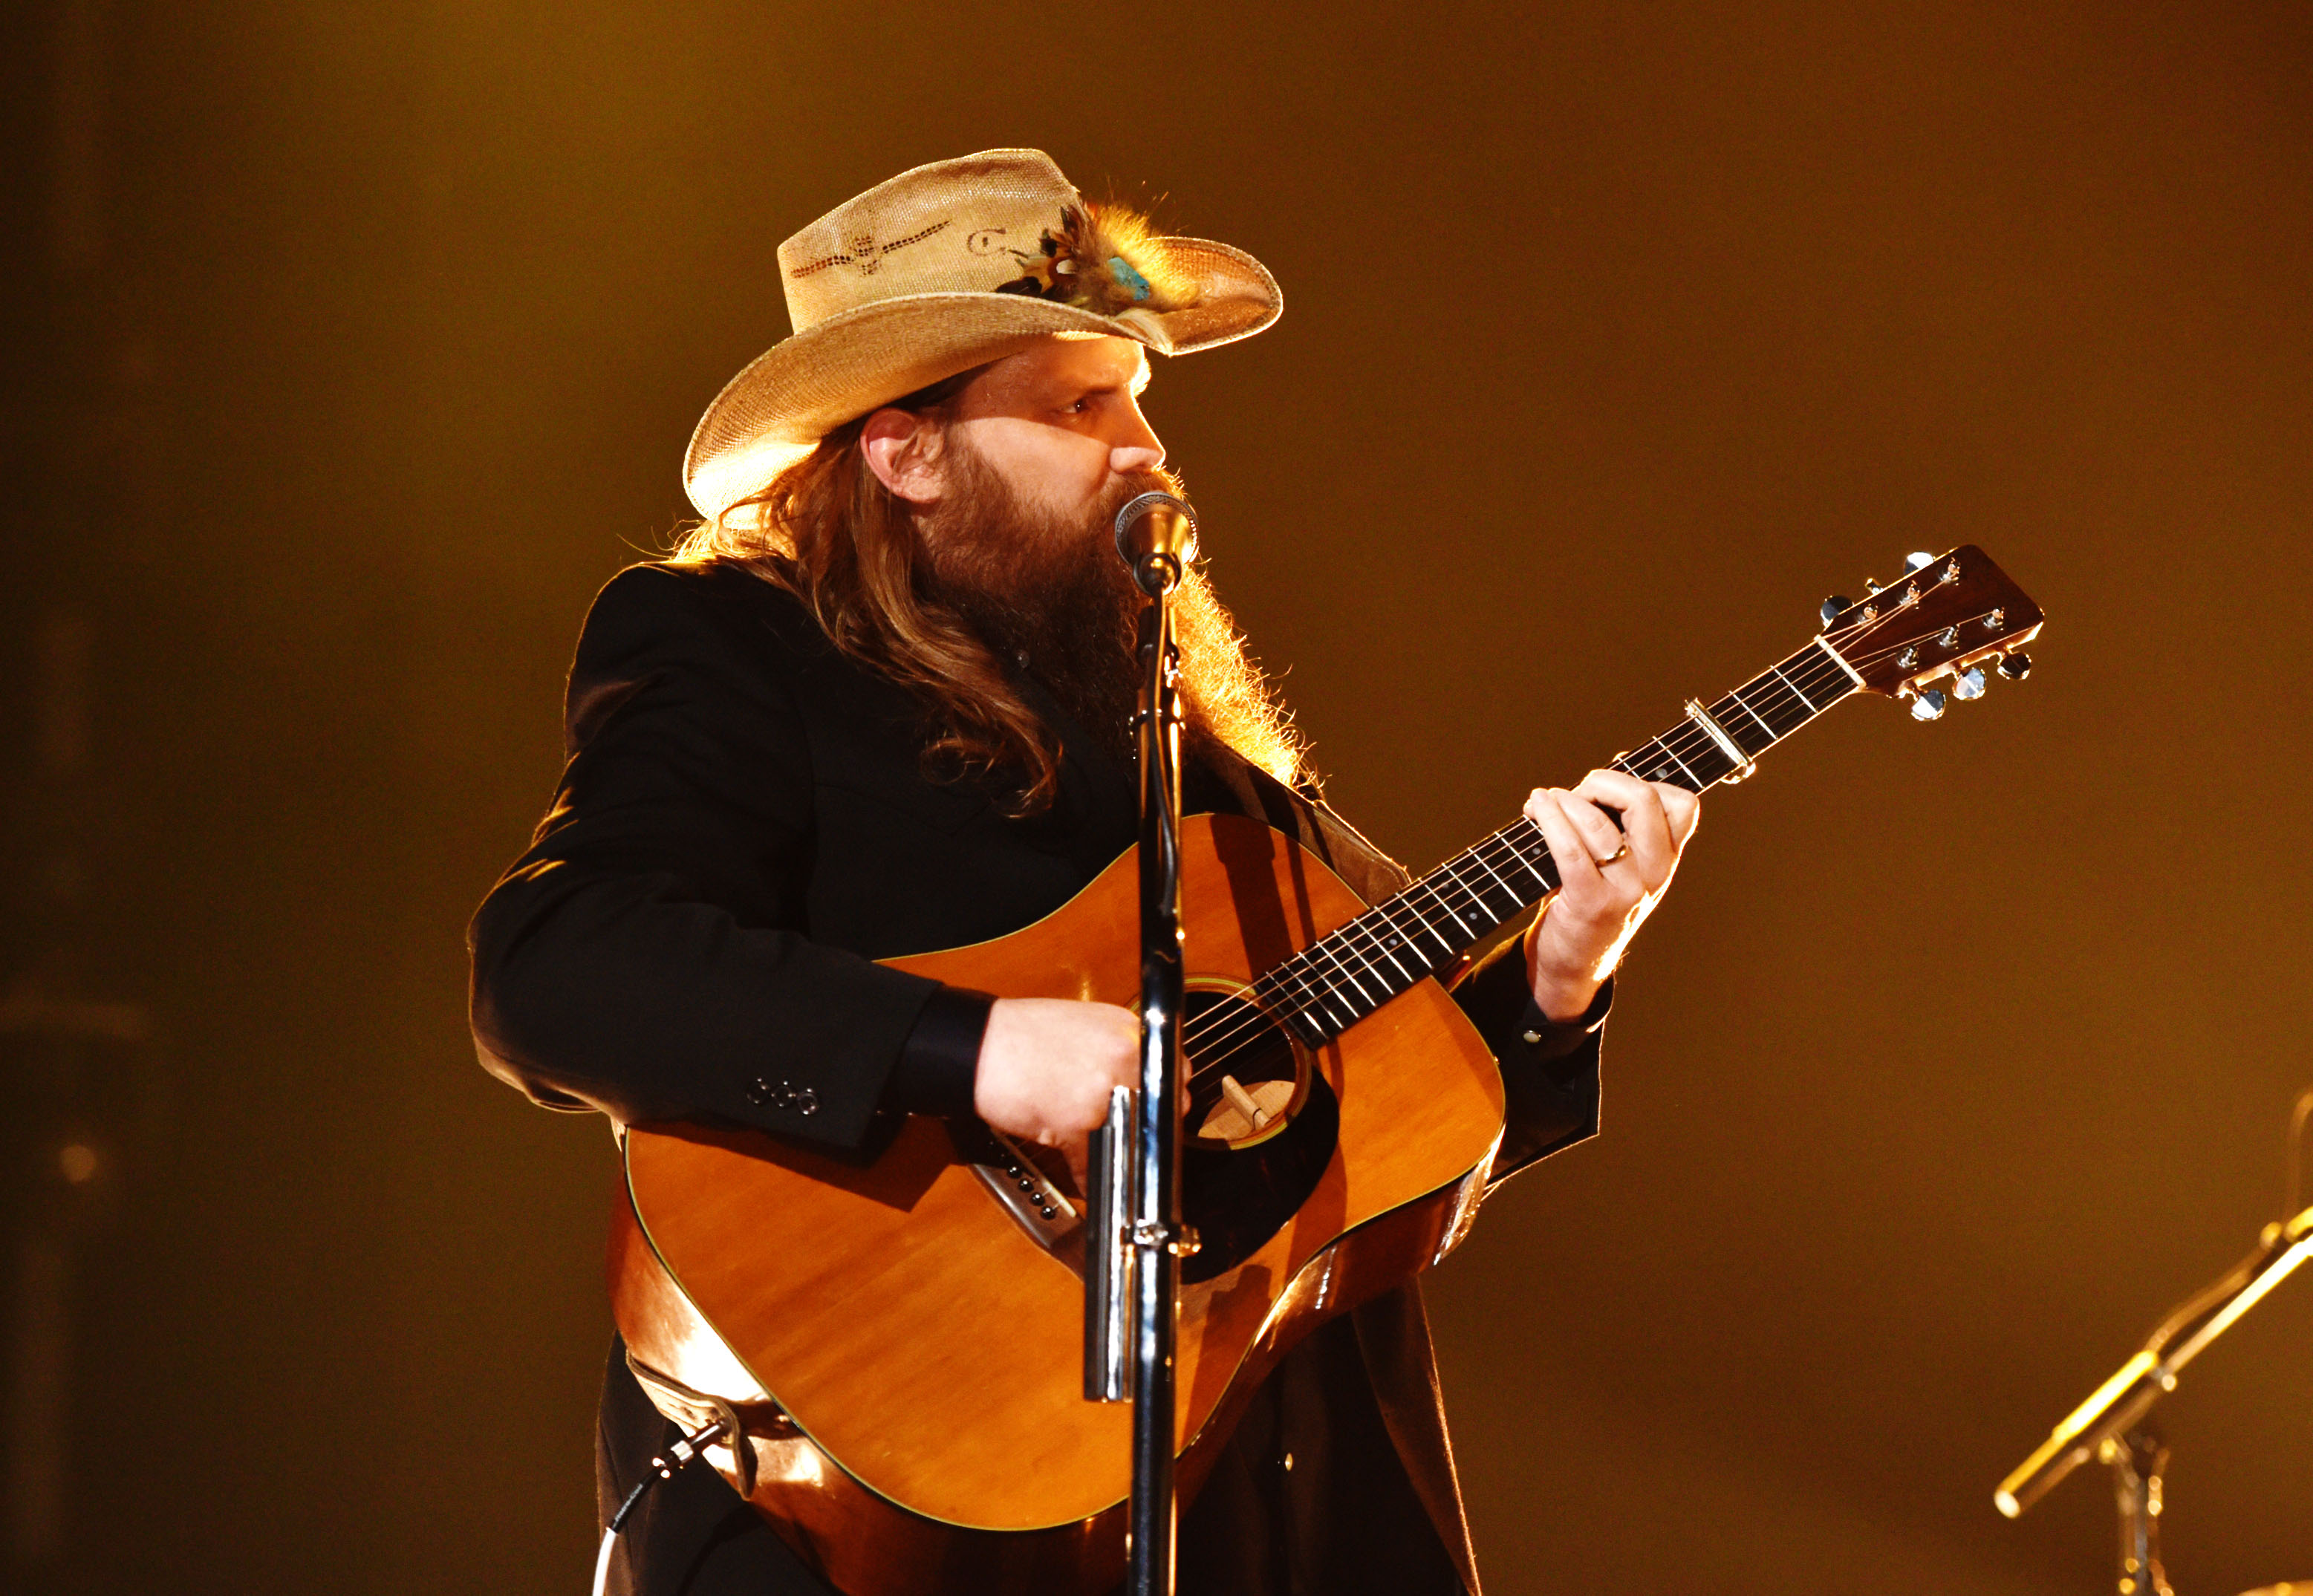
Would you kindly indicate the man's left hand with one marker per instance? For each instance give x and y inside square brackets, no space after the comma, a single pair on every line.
[1610,879]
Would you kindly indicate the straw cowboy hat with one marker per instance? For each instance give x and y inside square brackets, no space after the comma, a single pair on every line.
[946,267]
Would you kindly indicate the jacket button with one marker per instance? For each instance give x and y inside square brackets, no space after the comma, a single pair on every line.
[765,1092]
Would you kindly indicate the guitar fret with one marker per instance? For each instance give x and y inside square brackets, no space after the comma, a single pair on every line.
[1373,953]
[1323,1006]
[1406,943]
[1452,872]
[1344,976]
[1454,916]
[1313,992]
[1647,764]
[1477,889]
[1798,689]
[1306,1004]
[1422,920]
[1383,948]
[1505,841]
[1413,908]
[1776,715]
[1786,681]
[1498,880]
[1332,992]
[1740,702]
[1534,848]
[1325,944]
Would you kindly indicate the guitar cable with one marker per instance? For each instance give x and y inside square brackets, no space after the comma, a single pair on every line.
[673,1460]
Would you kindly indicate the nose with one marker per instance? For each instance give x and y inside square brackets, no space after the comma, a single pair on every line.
[1137,447]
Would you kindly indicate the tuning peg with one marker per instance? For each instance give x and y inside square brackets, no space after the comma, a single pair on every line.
[1917,562]
[2016,667]
[1832,607]
[1969,683]
[1928,705]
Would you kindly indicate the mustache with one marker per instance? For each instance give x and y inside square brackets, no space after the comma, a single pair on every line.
[1130,486]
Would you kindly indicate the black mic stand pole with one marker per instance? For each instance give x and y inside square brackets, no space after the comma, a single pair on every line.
[1135,1239]
[1156,1235]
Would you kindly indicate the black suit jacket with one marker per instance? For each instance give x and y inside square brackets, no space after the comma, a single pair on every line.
[743,827]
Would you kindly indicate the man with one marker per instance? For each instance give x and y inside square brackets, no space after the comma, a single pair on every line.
[878,707]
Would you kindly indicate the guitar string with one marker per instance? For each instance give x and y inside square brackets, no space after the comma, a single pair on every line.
[1380,928]
[1512,849]
[1368,927]
[1685,744]
[1377,928]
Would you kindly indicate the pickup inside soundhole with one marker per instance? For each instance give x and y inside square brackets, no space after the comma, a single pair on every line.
[1246,1079]
[1263,1126]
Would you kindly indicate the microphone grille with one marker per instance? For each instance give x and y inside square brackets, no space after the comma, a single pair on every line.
[1137,508]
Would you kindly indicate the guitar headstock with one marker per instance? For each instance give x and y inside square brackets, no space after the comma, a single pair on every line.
[1950,615]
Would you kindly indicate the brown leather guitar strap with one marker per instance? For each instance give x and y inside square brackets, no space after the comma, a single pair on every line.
[693,1410]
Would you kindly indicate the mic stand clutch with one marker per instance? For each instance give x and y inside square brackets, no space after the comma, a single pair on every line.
[1136,1239]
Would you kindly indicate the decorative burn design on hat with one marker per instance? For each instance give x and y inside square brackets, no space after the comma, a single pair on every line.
[865,253]
[933,273]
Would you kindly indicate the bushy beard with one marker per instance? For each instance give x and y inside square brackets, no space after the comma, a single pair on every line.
[1045,590]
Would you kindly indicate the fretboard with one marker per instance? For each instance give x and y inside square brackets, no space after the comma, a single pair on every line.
[1349,973]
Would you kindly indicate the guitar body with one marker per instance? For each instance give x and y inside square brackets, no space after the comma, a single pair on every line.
[911,1352]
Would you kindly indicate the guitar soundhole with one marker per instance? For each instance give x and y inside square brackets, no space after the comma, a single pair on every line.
[1261,1123]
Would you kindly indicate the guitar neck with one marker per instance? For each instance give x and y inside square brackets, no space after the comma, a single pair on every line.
[1346,975]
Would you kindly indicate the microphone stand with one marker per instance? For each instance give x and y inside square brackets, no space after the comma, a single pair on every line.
[2109,1425]
[1137,1239]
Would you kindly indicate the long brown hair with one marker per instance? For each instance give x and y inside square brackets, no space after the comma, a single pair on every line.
[828,532]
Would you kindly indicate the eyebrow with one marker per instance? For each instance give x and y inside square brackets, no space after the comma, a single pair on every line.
[1135,385]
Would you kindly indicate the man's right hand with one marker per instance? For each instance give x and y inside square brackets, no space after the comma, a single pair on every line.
[1046,1065]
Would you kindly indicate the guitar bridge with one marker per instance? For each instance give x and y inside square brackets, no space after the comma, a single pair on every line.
[1022,1185]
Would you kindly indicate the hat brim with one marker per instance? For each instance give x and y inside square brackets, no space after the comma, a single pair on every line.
[777,408]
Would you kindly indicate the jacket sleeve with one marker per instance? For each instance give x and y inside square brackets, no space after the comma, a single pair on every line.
[647,957]
[1550,1067]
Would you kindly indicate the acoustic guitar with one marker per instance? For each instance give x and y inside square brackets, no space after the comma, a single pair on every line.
[902,1340]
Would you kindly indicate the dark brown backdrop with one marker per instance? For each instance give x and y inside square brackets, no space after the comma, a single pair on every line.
[357,345]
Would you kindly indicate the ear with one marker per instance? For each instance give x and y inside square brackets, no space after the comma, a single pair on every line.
[902,451]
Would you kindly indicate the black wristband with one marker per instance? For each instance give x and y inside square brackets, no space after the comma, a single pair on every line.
[940,1063]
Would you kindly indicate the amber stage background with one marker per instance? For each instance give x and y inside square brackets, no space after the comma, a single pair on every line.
[356,344]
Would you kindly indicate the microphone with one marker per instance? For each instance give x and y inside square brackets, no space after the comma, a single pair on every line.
[1157,536]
